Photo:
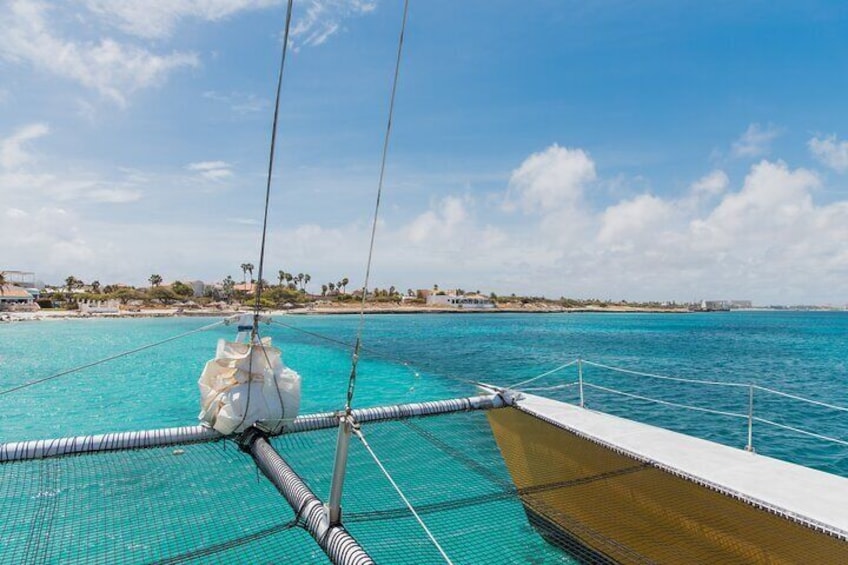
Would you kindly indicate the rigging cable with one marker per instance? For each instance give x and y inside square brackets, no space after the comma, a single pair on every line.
[270,171]
[405,500]
[416,367]
[254,333]
[355,358]
[110,358]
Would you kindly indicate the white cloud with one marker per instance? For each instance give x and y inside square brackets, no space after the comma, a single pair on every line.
[46,236]
[154,19]
[13,154]
[550,179]
[212,170]
[157,19]
[712,184]
[756,141]
[767,240]
[18,183]
[113,69]
[439,225]
[239,102]
[633,222]
[830,152]
[323,18]
[113,195]
[763,237]
[244,221]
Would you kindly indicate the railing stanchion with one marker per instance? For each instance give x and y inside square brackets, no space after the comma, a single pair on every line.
[580,379]
[750,446]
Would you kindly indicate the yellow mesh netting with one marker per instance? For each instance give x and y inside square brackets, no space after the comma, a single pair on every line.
[613,508]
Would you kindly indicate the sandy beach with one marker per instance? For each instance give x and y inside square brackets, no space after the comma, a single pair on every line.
[340,308]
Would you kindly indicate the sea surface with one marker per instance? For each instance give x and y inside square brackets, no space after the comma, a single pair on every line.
[418,357]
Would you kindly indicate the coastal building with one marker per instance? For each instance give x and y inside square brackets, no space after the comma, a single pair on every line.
[423,293]
[247,288]
[724,305]
[99,306]
[475,301]
[14,297]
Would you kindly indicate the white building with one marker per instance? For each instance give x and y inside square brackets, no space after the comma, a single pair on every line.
[465,301]
[99,306]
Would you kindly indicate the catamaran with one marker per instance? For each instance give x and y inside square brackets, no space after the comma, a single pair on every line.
[600,488]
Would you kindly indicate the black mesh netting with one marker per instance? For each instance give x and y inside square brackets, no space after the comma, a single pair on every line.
[206,503]
[449,468]
[201,503]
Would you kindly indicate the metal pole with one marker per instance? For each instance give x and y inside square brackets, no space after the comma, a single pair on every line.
[56,447]
[580,379]
[750,446]
[338,544]
[334,505]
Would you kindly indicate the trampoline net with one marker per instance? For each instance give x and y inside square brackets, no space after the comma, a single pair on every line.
[207,503]
[611,507]
[199,503]
[564,499]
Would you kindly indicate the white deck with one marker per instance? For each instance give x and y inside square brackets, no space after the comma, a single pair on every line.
[807,494]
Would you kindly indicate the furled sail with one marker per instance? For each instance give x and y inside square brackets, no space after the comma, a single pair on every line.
[247,384]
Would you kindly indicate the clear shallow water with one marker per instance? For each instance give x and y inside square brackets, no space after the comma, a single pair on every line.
[801,353]
[804,353]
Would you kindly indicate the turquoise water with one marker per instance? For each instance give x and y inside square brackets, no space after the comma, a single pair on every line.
[421,357]
[804,353]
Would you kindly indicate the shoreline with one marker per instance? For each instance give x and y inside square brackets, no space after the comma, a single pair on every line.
[353,309]
[376,309]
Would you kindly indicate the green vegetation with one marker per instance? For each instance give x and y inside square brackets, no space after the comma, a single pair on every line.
[291,290]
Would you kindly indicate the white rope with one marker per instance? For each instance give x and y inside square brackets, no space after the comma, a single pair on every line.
[400,493]
[110,358]
[663,377]
[674,404]
[801,398]
[800,431]
[545,374]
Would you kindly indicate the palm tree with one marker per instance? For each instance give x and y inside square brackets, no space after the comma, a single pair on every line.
[281,276]
[249,267]
[332,287]
[306,279]
[323,290]
[155,280]
[227,286]
[95,287]
[344,284]
[71,283]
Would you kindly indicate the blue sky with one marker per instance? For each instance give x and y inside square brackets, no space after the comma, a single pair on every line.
[640,151]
